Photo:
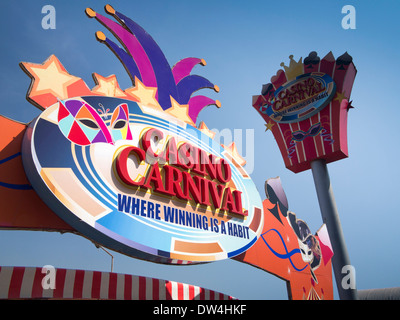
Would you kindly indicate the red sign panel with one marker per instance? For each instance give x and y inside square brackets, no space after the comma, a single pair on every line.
[305,106]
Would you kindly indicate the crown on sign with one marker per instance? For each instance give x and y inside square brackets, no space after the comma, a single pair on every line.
[295,68]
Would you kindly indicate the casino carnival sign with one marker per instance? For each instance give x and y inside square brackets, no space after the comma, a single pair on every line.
[301,98]
[129,169]
[305,106]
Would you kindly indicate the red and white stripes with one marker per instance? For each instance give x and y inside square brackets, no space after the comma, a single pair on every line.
[26,283]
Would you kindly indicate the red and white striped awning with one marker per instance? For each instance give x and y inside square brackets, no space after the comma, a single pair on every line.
[26,283]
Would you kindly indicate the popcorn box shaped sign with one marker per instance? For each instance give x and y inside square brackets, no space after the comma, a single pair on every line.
[306,105]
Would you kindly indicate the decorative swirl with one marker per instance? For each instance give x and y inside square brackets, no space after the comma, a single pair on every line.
[10,158]
[288,254]
[291,149]
[13,185]
[327,136]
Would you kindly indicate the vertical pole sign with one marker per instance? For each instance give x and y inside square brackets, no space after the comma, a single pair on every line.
[305,106]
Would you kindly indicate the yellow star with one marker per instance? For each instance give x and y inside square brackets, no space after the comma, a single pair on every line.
[203,128]
[49,77]
[269,126]
[180,111]
[144,95]
[107,86]
[339,96]
[234,154]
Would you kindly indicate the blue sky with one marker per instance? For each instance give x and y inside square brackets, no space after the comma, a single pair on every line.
[243,44]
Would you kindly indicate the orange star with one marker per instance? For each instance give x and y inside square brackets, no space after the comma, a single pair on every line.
[107,86]
[180,111]
[49,78]
[144,95]
[203,128]
[234,153]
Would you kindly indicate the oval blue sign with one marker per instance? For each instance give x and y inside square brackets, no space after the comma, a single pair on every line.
[139,182]
[301,98]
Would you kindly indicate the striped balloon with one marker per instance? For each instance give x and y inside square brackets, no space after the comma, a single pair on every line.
[26,283]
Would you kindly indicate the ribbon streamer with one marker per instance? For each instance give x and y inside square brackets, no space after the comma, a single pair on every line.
[288,254]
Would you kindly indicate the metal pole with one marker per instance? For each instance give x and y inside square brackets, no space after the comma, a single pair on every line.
[330,217]
[112,257]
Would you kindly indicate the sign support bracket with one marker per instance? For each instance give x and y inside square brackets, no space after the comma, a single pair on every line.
[330,217]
